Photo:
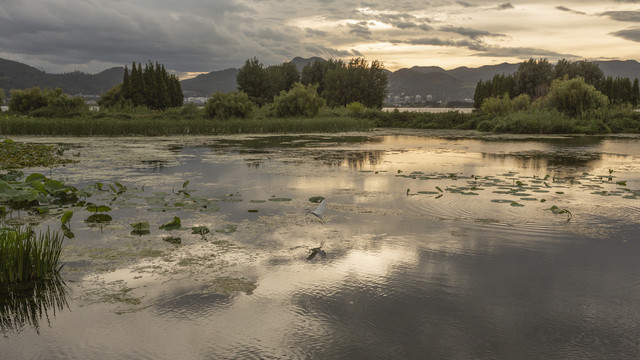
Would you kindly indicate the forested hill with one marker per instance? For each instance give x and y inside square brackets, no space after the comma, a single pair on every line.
[455,84]
[15,75]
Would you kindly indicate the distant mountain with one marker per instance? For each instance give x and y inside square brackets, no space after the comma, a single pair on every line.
[207,84]
[301,62]
[617,68]
[15,75]
[437,83]
[441,84]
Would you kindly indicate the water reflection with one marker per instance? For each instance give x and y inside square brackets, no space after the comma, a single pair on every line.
[26,305]
[449,269]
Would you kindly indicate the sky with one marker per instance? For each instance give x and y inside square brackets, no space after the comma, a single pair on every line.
[198,36]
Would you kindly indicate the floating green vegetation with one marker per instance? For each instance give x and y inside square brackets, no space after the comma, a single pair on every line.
[279,199]
[27,256]
[36,192]
[229,285]
[316,199]
[96,218]
[558,211]
[258,201]
[15,155]
[141,228]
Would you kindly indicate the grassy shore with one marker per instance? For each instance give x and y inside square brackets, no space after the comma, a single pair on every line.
[174,122]
[187,121]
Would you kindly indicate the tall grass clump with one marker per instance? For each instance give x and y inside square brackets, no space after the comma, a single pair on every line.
[27,256]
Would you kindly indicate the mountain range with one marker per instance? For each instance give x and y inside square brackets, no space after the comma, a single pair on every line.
[434,81]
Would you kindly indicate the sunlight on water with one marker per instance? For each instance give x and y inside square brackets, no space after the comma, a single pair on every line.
[438,245]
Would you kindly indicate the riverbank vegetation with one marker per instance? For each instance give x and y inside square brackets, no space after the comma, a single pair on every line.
[333,96]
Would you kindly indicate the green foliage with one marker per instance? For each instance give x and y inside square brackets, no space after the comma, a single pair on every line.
[574,97]
[355,108]
[152,87]
[421,120]
[45,103]
[225,106]
[263,84]
[533,77]
[301,100]
[504,105]
[499,85]
[316,72]
[589,71]
[2,95]
[358,81]
[25,101]
[25,256]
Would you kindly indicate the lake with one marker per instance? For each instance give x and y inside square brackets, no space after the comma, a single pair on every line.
[437,244]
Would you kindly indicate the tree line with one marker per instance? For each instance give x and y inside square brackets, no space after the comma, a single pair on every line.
[337,82]
[151,86]
[534,78]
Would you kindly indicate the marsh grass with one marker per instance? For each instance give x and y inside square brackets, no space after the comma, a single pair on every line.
[27,256]
[175,122]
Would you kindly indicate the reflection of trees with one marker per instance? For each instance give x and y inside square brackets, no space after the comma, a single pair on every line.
[24,305]
[551,160]
[353,159]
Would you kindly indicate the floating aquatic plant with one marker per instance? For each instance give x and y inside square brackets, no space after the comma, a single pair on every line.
[558,211]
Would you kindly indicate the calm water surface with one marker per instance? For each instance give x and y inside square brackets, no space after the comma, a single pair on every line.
[438,245]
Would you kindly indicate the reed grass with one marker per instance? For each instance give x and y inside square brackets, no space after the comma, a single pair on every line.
[173,123]
[27,256]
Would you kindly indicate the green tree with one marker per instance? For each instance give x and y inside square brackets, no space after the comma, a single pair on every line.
[253,79]
[635,93]
[533,77]
[574,97]
[1,98]
[358,81]
[126,84]
[315,73]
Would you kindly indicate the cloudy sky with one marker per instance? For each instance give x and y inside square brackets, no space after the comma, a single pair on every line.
[194,36]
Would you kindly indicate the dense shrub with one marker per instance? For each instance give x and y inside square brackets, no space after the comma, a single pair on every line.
[355,108]
[301,100]
[534,122]
[225,106]
[25,101]
[504,105]
[574,97]
[45,103]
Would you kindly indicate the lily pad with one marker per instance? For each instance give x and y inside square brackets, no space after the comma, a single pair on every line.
[99,218]
[278,199]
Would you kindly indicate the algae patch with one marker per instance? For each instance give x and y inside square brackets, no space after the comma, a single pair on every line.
[15,155]
[229,285]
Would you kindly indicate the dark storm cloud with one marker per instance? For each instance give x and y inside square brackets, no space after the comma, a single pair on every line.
[399,20]
[360,29]
[484,50]
[470,33]
[465,4]
[629,16]
[505,6]
[435,41]
[632,34]
[566,9]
